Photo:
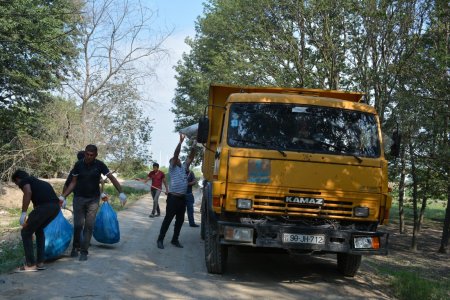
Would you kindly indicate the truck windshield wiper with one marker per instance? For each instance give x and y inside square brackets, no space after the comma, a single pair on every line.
[339,149]
[262,144]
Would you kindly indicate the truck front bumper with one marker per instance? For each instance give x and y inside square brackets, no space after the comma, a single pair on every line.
[305,238]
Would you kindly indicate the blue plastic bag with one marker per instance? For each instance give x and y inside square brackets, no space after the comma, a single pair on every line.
[58,235]
[106,229]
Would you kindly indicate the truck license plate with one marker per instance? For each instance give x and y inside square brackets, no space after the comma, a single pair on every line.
[303,238]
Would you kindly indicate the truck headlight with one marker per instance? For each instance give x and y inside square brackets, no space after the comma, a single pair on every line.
[361,211]
[239,234]
[244,203]
[366,242]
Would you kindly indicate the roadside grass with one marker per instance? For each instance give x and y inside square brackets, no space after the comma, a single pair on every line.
[434,212]
[11,250]
[132,196]
[11,255]
[15,214]
[409,285]
[142,175]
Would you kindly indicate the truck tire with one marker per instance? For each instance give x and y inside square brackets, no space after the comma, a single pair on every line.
[348,264]
[215,253]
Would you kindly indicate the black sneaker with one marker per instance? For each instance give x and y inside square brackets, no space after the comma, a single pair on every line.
[83,257]
[151,215]
[157,215]
[74,253]
[160,244]
[176,244]
[194,225]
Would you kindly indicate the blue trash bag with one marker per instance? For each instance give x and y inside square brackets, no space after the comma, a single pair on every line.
[106,229]
[58,235]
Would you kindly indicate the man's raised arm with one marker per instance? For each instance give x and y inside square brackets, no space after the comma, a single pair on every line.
[178,148]
[191,156]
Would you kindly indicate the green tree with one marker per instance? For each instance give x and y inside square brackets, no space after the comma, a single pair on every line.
[38,44]
[37,47]
[425,98]
[315,44]
[45,150]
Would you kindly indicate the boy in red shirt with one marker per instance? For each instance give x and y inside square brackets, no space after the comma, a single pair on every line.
[158,178]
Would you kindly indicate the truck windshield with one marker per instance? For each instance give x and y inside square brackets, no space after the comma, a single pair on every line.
[314,129]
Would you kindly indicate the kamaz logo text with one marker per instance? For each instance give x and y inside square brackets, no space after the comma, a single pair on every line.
[304,200]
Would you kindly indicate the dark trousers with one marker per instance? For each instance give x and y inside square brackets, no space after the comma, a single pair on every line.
[155,196]
[176,207]
[84,213]
[38,219]
[190,208]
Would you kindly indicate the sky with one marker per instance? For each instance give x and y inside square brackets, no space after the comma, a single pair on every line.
[181,16]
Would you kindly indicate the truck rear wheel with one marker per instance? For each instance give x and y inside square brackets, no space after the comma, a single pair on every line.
[215,253]
[348,264]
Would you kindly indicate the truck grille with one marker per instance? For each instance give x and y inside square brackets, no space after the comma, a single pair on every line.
[278,206]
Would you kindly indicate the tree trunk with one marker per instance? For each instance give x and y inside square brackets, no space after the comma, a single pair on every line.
[414,198]
[446,229]
[421,213]
[302,44]
[401,192]
[83,123]
[424,200]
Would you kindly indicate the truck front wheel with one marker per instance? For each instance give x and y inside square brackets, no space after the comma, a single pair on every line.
[215,253]
[348,264]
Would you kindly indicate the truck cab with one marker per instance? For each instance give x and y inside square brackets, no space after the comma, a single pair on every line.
[297,169]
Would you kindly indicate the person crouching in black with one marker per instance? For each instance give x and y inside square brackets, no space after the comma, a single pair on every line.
[46,207]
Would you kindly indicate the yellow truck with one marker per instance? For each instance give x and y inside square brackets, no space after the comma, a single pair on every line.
[297,169]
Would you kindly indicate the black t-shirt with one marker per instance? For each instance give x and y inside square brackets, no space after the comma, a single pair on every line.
[41,191]
[88,178]
[69,178]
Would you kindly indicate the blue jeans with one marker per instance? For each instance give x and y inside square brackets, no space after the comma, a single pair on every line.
[190,208]
[155,195]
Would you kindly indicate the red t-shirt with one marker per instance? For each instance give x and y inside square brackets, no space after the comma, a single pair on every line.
[157,178]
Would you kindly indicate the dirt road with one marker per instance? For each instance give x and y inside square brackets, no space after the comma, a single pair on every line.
[136,269]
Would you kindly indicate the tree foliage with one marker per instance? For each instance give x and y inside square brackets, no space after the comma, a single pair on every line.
[37,47]
[93,55]
[38,44]
[315,44]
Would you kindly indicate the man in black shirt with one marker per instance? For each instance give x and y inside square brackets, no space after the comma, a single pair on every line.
[80,155]
[85,185]
[45,209]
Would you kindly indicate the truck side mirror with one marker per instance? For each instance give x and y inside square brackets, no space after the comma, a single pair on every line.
[395,147]
[203,130]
